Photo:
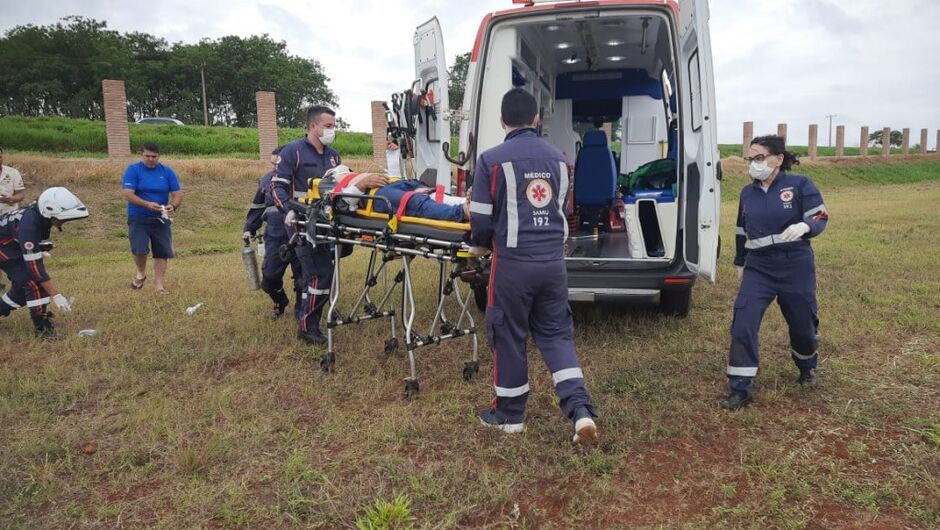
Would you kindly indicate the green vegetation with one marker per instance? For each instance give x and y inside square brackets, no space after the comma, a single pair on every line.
[222,419]
[727,150]
[87,137]
[56,70]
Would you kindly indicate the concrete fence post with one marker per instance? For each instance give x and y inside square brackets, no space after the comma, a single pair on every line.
[813,134]
[115,116]
[886,141]
[267,123]
[936,146]
[923,141]
[840,141]
[905,141]
[379,134]
[749,135]
[863,142]
[782,130]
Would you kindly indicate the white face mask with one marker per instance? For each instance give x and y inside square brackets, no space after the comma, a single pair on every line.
[759,170]
[328,136]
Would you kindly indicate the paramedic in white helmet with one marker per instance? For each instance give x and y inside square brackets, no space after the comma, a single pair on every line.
[24,240]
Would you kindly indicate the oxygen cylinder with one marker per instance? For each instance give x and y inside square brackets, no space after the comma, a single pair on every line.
[251,267]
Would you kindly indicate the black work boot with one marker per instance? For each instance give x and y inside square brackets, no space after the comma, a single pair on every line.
[45,330]
[735,400]
[311,337]
[280,304]
[807,378]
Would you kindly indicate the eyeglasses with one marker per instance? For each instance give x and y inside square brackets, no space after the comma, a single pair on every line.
[758,158]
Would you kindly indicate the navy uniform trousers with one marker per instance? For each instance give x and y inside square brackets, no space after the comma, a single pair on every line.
[24,291]
[789,276]
[532,297]
[316,262]
[273,268]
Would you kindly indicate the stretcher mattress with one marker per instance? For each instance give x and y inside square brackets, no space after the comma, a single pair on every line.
[414,226]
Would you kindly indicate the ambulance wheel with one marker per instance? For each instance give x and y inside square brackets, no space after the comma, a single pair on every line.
[411,388]
[479,296]
[470,369]
[676,303]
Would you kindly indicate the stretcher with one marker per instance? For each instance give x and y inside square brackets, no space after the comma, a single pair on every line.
[391,238]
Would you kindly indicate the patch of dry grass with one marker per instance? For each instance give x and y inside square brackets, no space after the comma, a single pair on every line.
[223,420]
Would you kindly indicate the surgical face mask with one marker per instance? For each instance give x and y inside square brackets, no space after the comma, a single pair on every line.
[759,170]
[328,136]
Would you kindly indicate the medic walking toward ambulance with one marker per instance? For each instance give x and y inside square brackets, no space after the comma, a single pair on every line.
[301,160]
[778,213]
[517,209]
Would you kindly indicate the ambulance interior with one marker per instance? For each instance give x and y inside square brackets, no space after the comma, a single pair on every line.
[604,87]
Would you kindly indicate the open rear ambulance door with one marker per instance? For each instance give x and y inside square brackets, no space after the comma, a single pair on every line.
[431,105]
[702,190]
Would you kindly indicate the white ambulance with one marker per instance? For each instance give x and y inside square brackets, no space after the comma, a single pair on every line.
[626,91]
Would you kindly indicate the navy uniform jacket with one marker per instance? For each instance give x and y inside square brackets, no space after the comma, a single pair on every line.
[763,216]
[299,162]
[263,210]
[22,234]
[517,204]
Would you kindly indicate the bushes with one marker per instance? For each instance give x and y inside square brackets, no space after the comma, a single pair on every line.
[61,135]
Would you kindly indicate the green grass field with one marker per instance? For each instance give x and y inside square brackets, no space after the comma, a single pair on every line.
[86,139]
[223,420]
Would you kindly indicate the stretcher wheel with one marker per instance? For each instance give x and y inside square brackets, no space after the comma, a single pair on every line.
[370,309]
[470,369]
[391,346]
[479,296]
[328,362]
[447,328]
[411,388]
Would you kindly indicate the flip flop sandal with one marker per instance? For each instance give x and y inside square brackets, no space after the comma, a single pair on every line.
[138,283]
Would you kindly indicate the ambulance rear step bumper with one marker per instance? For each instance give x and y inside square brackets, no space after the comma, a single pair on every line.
[586,294]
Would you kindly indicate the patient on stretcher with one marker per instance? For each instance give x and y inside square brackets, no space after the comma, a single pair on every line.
[422,201]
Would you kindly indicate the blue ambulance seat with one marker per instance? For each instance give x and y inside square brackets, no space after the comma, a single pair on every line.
[595,173]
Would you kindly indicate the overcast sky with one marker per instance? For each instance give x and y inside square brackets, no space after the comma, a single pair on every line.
[870,62]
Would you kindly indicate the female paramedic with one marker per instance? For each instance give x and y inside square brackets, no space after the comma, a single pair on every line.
[778,213]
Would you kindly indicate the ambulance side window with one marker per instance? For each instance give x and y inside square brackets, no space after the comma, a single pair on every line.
[695,95]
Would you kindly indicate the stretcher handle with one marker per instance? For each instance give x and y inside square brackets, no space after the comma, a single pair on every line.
[298,207]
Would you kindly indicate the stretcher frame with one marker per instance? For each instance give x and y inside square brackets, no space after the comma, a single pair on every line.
[404,238]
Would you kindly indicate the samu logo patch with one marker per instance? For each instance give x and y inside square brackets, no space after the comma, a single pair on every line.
[539,193]
[786,195]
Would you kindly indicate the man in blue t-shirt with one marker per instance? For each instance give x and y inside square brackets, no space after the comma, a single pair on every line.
[153,194]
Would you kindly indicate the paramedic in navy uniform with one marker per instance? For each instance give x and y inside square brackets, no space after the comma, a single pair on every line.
[273,266]
[777,215]
[306,158]
[517,210]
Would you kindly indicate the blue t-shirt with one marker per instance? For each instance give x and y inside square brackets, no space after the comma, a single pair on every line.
[153,185]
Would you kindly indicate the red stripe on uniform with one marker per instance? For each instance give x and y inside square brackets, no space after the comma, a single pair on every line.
[489,289]
[493,183]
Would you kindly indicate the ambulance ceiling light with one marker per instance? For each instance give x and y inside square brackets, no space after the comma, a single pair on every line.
[571,60]
[614,42]
[616,58]
[563,45]
[552,27]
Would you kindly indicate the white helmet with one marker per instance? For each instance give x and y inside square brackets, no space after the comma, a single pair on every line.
[337,172]
[62,204]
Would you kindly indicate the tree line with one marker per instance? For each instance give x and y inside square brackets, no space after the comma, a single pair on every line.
[56,70]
